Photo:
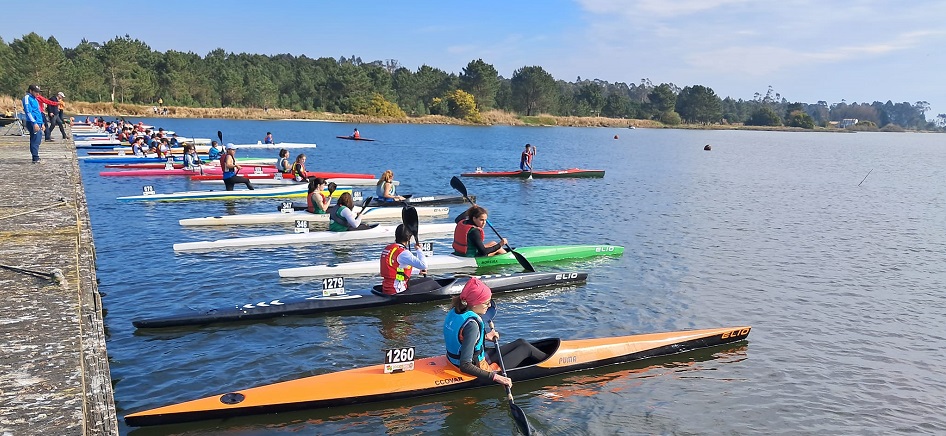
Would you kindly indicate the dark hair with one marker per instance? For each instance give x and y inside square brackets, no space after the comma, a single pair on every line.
[402,234]
[314,183]
[345,200]
[269,133]
[458,305]
[300,156]
[475,211]
[283,152]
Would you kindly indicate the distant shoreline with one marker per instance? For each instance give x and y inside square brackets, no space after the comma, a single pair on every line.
[493,117]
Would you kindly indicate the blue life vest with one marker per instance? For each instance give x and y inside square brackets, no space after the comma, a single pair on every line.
[452,326]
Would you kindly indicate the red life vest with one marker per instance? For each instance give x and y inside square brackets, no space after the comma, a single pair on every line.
[460,243]
[311,204]
[391,271]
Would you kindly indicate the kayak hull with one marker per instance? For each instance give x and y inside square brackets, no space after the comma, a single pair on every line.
[449,262]
[430,290]
[550,174]
[283,182]
[427,200]
[432,375]
[270,173]
[280,192]
[372,213]
[326,237]
[354,139]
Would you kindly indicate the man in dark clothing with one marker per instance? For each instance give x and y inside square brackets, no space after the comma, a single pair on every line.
[54,114]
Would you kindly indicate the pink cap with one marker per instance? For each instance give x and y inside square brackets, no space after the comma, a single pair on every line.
[475,292]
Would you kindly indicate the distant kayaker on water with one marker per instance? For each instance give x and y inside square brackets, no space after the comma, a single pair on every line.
[298,169]
[230,169]
[269,138]
[385,188]
[282,164]
[469,237]
[343,219]
[397,262]
[316,202]
[525,160]
[356,135]
[465,331]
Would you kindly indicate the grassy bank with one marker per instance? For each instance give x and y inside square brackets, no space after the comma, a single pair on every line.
[493,117]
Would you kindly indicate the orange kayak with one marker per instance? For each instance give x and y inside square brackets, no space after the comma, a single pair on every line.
[432,375]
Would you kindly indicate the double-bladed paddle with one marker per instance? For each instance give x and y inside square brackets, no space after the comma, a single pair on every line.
[518,415]
[457,184]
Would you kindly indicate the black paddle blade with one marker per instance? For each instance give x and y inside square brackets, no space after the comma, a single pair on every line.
[332,187]
[522,422]
[522,260]
[409,216]
[457,184]
[364,204]
[220,137]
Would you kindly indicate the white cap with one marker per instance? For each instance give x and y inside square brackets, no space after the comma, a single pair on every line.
[230,146]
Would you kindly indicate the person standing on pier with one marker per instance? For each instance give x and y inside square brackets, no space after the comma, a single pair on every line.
[34,120]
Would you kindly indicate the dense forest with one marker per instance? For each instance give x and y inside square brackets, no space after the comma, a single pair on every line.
[126,70]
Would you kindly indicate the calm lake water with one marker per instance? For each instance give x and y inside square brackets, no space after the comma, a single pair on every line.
[842,284]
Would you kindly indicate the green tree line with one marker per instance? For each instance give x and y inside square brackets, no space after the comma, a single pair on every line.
[126,70]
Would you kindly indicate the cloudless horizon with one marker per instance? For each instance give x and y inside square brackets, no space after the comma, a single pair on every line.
[807,51]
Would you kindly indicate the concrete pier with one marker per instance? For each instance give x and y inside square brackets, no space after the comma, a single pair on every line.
[54,374]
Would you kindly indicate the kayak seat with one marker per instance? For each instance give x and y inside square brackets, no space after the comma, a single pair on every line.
[420,285]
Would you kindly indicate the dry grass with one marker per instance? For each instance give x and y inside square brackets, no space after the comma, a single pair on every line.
[491,117]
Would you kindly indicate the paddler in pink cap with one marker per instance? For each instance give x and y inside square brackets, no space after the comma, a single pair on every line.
[465,333]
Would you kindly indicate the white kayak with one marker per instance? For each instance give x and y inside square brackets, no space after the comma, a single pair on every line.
[372,213]
[436,262]
[377,232]
[276,146]
[278,192]
[279,180]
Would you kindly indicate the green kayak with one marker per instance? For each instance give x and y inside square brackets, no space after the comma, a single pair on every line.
[441,262]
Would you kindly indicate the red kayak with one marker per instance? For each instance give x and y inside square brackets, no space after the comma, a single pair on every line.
[549,174]
[269,174]
[352,138]
[158,165]
[213,171]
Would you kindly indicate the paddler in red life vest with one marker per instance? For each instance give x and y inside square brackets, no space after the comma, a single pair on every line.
[397,262]
[469,237]
[315,201]
[525,160]
[356,135]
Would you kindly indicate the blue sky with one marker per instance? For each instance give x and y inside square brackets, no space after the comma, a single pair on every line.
[856,50]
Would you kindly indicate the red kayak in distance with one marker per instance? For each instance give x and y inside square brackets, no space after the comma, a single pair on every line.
[159,165]
[352,138]
[214,171]
[267,174]
[547,174]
